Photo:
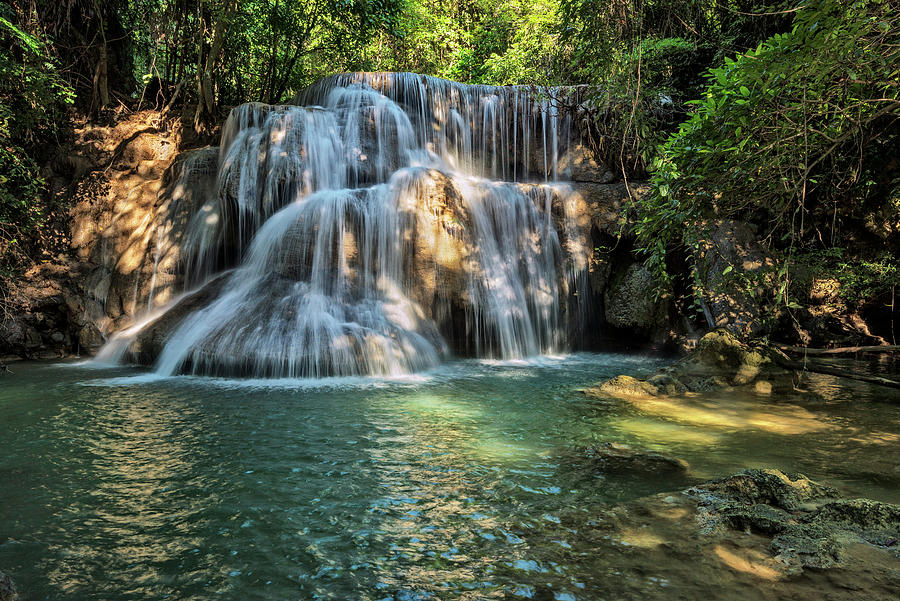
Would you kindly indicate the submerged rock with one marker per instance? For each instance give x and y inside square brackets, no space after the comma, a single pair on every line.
[810,528]
[821,538]
[7,589]
[756,530]
[617,458]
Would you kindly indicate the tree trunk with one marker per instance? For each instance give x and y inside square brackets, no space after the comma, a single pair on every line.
[846,350]
[207,106]
[834,371]
[101,74]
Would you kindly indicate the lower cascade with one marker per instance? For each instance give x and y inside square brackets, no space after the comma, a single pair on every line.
[382,228]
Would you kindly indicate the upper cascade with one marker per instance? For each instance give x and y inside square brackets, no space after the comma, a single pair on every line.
[383,223]
[511,133]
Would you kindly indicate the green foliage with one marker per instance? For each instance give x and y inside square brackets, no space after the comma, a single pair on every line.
[644,60]
[496,42]
[526,49]
[33,98]
[272,48]
[858,279]
[785,134]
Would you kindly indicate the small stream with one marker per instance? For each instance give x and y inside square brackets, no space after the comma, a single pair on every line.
[460,483]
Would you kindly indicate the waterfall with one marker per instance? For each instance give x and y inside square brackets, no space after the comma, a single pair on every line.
[382,223]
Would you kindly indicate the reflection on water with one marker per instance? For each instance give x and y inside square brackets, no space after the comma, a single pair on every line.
[455,485]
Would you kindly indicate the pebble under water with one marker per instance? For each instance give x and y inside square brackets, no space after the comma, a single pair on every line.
[454,484]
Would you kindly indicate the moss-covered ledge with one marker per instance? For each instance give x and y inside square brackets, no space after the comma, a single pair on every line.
[718,361]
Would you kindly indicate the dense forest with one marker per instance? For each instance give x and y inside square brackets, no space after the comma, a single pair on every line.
[780,114]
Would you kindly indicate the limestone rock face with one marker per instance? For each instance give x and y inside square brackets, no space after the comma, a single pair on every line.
[129,222]
[148,343]
[441,266]
[733,303]
[577,164]
[630,301]
[606,203]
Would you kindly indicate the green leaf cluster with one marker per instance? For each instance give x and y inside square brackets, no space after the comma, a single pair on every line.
[791,135]
[33,101]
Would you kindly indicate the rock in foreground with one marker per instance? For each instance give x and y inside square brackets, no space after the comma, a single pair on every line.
[7,589]
[759,534]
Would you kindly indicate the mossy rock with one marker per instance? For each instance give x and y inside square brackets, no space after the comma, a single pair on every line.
[625,386]
[809,547]
[616,458]
[760,518]
[7,589]
[771,487]
[721,355]
[721,348]
[875,522]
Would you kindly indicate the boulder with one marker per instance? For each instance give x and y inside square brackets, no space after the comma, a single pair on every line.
[617,458]
[719,360]
[624,386]
[735,270]
[7,589]
[630,301]
[771,487]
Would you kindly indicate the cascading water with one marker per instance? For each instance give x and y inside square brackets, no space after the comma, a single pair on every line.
[379,226]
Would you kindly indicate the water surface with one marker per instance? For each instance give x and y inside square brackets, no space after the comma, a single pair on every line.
[457,484]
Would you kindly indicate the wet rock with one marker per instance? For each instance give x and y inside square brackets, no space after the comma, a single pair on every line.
[149,342]
[861,513]
[617,458]
[7,589]
[759,517]
[769,487]
[808,547]
[666,383]
[750,550]
[810,528]
[89,338]
[821,537]
[718,361]
[630,300]
[624,386]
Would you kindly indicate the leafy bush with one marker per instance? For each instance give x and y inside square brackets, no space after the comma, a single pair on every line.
[858,279]
[32,108]
[786,135]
